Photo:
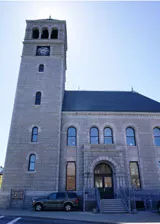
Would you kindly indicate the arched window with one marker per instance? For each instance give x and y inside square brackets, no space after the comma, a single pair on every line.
[156,133]
[35,33]
[41,68]
[102,169]
[94,135]
[71,136]
[38,98]
[54,34]
[32,161]
[130,136]
[108,136]
[34,136]
[45,34]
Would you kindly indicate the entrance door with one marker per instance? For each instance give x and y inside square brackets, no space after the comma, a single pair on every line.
[103,179]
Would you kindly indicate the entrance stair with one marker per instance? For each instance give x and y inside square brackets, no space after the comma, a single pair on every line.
[112,206]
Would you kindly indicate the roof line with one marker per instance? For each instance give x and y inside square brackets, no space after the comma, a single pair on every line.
[100,91]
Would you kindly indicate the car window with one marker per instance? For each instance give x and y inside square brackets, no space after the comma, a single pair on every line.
[52,196]
[60,195]
[72,195]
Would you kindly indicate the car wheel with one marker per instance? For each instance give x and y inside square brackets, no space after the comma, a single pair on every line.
[38,207]
[68,207]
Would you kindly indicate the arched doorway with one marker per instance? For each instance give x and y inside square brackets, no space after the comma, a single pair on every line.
[103,180]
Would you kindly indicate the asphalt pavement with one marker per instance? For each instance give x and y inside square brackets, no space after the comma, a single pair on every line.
[36,220]
[18,216]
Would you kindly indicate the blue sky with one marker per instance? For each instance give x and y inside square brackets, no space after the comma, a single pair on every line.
[111,46]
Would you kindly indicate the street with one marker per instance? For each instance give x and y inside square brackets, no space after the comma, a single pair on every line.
[34,220]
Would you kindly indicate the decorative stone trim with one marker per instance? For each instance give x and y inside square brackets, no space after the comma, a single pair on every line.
[32,152]
[122,114]
[43,41]
[99,146]
[32,126]
[70,124]
[106,159]
[103,150]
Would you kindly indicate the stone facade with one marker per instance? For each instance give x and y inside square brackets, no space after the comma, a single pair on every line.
[1,175]
[51,149]
[118,155]
[26,114]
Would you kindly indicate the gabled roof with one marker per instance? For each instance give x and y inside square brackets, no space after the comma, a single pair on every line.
[111,101]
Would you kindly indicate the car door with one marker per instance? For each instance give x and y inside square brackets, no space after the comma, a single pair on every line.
[51,201]
[60,199]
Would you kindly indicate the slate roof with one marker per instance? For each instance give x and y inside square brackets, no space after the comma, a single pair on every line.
[111,101]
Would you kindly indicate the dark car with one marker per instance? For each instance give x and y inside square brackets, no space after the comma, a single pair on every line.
[57,200]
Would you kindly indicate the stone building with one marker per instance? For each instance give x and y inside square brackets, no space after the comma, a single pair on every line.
[1,175]
[67,140]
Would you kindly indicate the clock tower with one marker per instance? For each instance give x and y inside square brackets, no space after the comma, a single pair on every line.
[33,152]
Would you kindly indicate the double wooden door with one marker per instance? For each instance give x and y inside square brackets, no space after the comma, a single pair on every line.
[103,180]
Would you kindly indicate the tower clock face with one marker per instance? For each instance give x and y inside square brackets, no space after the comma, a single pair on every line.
[43,51]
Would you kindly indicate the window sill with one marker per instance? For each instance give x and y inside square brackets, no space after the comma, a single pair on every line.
[36,105]
[71,147]
[103,145]
[131,146]
[31,172]
[34,143]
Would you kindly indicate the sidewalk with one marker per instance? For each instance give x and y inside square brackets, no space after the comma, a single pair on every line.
[140,217]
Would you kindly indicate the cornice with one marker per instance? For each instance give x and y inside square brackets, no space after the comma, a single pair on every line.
[125,114]
[43,41]
[46,21]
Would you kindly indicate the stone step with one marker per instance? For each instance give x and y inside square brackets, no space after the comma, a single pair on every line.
[107,204]
[120,206]
[112,206]
[111,203]
[114,211]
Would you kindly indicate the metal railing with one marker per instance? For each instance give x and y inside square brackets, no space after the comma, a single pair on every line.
[124,195]
[88,193]
[132,199]
[98,200]
[150,197]
[129,197]
[91,194]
